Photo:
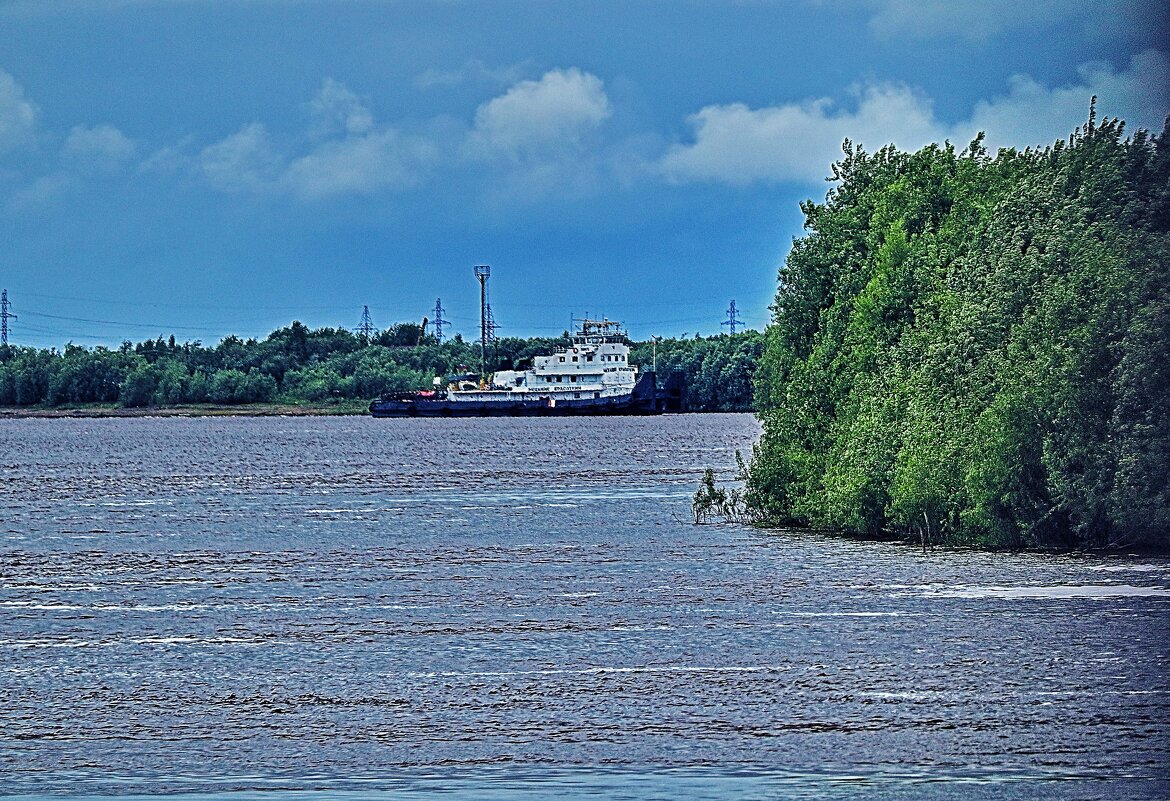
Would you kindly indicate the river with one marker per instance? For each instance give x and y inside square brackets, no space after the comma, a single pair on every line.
[342,608]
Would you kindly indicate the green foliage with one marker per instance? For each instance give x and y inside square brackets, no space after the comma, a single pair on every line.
[709,499]
[296,364]
[715,373]
[974,350]
[712,501]
[236,386]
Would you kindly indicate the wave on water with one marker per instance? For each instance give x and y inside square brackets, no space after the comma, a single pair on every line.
[1057,591]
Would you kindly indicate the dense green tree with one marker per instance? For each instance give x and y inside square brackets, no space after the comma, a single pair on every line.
[972,349]
[714,373]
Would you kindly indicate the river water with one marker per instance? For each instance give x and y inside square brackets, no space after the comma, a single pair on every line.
[342,608]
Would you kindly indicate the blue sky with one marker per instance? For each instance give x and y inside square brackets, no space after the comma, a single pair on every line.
[209,167]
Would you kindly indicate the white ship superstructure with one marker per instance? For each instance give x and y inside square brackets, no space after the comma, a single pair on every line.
[596,365]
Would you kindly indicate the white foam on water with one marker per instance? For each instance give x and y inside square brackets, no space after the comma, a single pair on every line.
[1133,568]
[600,670]
[1057,591]
[841,614]
[188,639]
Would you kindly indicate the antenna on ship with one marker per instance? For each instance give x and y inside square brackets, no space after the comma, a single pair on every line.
[437,321]
[732,320]
[365,328]
[5,316]
[487,325]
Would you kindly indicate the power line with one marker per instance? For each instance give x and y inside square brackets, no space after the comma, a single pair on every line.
[153,304]
[125,323]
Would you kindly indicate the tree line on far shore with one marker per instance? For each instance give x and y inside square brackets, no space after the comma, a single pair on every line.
[297,364]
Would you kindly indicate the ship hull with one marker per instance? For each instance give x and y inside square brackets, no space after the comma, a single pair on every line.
[641,400]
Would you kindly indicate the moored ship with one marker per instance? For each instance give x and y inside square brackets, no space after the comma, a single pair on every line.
[591,376]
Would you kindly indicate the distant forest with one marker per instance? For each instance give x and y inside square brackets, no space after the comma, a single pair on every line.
[975,349]
[298,364]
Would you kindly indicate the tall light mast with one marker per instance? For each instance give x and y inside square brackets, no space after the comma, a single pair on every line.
[482,272]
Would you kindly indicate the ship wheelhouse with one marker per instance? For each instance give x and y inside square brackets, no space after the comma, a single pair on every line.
[596,364]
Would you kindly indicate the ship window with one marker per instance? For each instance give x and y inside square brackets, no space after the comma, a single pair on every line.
[573,378]
[574,358]
[560,378]
[597,394]
[589,358]
[562,358]
[576,394]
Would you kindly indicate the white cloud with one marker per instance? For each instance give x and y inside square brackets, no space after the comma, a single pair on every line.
[472,71]
[360,165]
[17,115]
[798,141]
[169,160]
[1032,114]
[43,191]
[344,153]
[243,162]
[85,152]
[100,149]
[536,118]
[336,110]
[795,142]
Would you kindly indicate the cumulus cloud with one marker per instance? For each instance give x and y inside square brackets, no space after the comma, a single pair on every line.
[1032,114]
[244,161]
[344,152]
[538,117]
[472,71]
[360,165]
[100,149]
[85,152]
[337,110]
[798,141]
[17,115]
[169,160]
[43,191]
[795,142]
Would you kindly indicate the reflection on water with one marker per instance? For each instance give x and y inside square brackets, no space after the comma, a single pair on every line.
[259,608]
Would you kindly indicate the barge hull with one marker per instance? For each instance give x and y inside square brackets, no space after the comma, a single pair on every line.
[643,400]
